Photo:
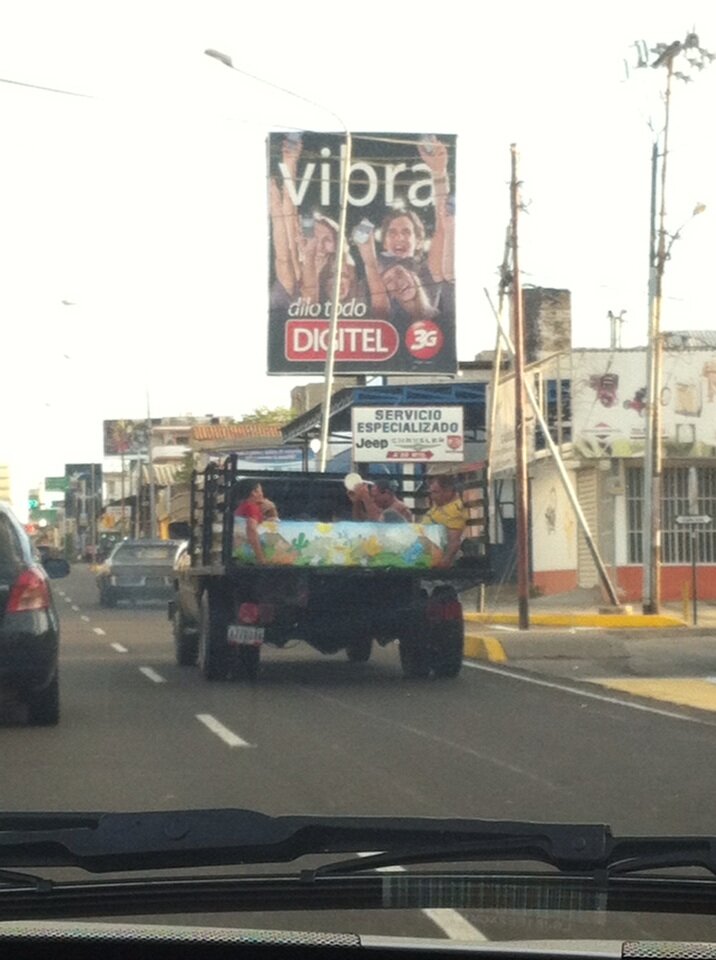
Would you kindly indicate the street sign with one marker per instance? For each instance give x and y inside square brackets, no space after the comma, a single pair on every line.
[56,483]
[694,520]
[408,434]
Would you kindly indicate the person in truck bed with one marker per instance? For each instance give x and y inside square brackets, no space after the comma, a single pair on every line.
[377,500]
[448,510]
[254,507]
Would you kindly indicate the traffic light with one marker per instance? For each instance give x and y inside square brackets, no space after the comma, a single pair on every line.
[33,503]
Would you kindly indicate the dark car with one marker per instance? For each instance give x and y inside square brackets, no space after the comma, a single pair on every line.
[138,570]
[29,624]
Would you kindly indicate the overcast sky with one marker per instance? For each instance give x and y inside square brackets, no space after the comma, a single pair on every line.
[143,202]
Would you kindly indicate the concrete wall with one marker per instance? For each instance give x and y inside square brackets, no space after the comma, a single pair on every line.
[554,531]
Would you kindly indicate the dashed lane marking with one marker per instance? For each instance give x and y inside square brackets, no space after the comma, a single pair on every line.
[85,618]
[99,631]
[152,675]
[452,923]
[75,608]
[230,738]
[119,648]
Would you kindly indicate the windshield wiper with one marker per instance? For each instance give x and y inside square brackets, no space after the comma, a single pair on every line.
[102,842]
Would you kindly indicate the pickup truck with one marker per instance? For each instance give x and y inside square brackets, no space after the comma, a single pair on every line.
[337,584]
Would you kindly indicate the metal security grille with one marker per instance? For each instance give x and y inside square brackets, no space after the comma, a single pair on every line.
[635,512]
[676,539]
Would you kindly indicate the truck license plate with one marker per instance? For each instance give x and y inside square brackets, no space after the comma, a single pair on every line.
[242,635]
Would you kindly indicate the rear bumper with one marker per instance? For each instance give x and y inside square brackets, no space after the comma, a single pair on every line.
[140,593]
[29,646]
[136,591]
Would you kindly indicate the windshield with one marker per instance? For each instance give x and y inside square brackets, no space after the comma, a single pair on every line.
[139,553]
[399,317]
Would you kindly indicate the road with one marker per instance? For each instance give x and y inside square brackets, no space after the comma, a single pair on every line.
[318,735]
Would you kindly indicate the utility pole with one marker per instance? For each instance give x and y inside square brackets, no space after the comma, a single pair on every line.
[328,373]
[521,492]
[694,58]
[150,466]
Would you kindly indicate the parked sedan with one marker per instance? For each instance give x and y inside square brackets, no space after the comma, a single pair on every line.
[138,570]
[29,624]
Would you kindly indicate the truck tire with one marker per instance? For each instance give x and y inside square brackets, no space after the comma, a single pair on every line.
[213,627]
[186,643]
[447,636]
[359,651]
[43,706]
[447,648]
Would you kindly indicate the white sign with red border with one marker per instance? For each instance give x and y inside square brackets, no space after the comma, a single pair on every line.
[408,434]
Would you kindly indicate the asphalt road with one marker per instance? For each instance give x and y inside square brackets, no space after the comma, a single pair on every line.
[318,735]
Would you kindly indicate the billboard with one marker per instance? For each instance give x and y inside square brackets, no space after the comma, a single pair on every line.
[408,434]
[129,438]
[397,284]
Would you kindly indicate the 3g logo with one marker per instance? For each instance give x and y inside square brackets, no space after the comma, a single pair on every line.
[424,339]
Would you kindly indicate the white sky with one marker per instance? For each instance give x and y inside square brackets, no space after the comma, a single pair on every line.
[145,205]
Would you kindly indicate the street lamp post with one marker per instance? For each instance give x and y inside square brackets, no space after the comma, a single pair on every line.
[693,56]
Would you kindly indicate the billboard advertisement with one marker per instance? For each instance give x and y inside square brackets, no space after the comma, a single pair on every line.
[408,434]
[396,311]
[129,438]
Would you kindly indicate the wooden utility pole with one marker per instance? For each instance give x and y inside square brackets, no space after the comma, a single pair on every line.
[521,490]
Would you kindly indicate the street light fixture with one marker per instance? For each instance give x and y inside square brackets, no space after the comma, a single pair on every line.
[329,369]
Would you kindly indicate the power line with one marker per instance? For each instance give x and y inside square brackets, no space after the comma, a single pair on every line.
[37,86]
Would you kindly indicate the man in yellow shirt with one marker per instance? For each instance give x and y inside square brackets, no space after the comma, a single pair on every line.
[449,511]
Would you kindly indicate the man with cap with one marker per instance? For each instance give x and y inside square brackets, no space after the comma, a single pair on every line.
[377,501]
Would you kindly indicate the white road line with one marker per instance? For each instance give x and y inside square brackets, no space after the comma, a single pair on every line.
[67,599]
[152,675]
[75,608]
[501,626]
[588,694]
[99,631]
[85,618]
[229,738]
[119,648]
[452,923]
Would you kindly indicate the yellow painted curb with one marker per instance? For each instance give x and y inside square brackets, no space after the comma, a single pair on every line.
[607,621]
[484,648]
[685,691]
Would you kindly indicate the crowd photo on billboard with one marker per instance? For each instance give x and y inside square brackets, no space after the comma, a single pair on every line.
[396,309]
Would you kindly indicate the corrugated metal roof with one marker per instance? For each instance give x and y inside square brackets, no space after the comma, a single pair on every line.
[235,431]
[164,473]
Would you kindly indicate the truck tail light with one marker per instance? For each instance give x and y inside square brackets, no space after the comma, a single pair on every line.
[249,613]
[441,610]
[256,613]
[28,592]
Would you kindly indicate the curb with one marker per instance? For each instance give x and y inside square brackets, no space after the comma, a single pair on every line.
[604,621]
[480,647]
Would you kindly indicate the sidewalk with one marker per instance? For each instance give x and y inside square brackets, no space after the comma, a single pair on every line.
[571,625]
